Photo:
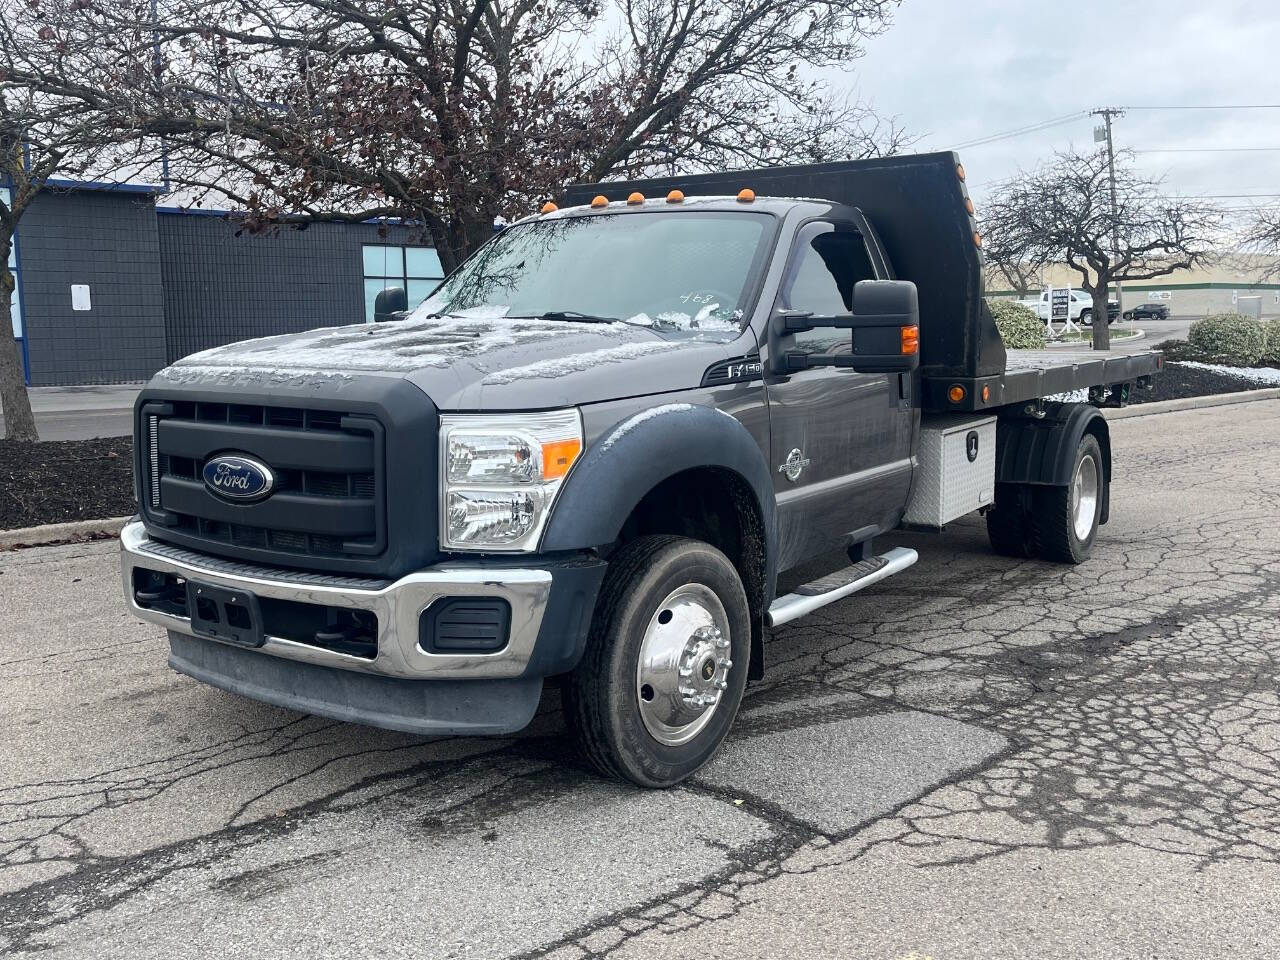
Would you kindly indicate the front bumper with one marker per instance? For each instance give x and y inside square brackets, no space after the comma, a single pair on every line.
[546,631]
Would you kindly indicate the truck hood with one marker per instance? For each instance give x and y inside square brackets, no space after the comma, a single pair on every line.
[472,363]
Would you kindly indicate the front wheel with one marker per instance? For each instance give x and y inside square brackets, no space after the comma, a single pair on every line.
[1086,317]
[666,662]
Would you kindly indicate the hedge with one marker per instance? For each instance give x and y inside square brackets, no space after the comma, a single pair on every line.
[1230,338]
[1019,327]
[1272,352]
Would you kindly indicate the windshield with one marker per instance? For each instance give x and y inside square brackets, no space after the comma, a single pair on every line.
[673,271]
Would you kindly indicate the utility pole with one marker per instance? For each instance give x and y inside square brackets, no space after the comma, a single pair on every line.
[1100,134]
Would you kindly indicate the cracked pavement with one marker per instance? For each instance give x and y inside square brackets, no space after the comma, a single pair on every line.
[977,758]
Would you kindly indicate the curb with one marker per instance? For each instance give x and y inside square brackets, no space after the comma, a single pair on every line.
[51,533]
[1064,344]
[1191,403]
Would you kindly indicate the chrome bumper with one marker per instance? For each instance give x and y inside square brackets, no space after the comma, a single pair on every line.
[397,605]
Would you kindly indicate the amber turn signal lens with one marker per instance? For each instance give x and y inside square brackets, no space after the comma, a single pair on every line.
[675,196]
[956,393]
[960,171]
[635,198]
[910,341]
[986,394]
[600,201]
[558,457]
[746,195]
[549,207]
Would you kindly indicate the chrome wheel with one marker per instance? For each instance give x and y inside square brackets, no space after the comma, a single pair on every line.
[684,664]
[1084,497]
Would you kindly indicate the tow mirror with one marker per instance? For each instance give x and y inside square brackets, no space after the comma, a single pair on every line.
[390,304]
[886,331]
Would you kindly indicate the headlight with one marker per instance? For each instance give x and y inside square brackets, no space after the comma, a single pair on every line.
[500,474]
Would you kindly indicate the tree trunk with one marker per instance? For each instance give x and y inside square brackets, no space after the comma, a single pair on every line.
[1101,329]
[19,424]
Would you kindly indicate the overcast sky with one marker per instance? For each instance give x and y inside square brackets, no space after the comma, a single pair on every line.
[957,70]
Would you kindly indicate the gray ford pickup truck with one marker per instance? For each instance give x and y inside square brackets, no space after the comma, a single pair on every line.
[593,451]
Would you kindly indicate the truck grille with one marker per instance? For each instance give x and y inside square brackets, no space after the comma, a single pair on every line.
[327,501]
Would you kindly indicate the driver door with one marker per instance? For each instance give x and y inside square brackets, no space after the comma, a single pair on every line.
[840,441]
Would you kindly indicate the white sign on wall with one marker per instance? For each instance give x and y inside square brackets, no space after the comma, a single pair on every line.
[80,297]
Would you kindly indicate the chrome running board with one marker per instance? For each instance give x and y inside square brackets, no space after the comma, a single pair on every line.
[838,585]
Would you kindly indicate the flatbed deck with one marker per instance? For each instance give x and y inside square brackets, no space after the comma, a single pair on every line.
[1033,374]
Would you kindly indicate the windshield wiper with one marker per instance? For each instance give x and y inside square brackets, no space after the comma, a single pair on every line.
[570,315]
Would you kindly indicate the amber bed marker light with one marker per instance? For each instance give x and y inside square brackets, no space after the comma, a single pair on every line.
[956,393]
[746,195]
[986,393]
[910,341]
[600,201]
[675,196]
[549,207]
[635,198]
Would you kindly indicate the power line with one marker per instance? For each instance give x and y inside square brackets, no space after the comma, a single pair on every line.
[1208,150]
[1021,131]
[1226,106]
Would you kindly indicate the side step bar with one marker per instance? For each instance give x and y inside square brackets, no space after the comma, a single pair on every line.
[838,585]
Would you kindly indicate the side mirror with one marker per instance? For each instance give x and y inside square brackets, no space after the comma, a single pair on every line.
[388,303]
[886,331]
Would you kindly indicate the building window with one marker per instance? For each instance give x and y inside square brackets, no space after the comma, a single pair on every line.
[417,269]
[15,302]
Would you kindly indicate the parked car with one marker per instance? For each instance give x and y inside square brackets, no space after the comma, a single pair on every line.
[592,452]
[1148,311]
[1081,307]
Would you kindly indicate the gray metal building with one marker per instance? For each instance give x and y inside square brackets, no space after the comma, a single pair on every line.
[111,287]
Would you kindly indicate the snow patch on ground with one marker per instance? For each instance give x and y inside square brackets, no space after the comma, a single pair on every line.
[1071,396]
[622,429]
[1269,375]
[549,369]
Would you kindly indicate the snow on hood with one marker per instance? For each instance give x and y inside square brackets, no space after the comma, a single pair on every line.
[579,361]
[397,347]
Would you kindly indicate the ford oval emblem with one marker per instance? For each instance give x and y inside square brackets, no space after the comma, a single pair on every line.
[239,478]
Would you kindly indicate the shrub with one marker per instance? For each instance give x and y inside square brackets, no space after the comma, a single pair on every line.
[1272,352]
[1019,327]
[1230,338]
[1179,350]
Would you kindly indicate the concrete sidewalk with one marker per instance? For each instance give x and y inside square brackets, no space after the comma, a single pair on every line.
[81,413]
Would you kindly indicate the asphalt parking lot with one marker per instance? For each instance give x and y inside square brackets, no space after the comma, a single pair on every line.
[978,758]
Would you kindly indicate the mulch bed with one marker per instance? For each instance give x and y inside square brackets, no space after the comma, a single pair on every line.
[1177,381]
[62,480]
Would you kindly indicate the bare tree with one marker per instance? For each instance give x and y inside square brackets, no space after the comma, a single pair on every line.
[1063,213]
[1262,237]
[448,113]
[1009,248]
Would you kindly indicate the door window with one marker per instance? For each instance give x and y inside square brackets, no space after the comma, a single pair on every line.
[821,282]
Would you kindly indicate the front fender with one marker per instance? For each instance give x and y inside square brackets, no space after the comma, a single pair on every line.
[641,451]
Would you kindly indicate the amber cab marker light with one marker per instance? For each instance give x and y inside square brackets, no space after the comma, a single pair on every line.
[960,171]
[910,341]
[956,393]
[977,239]
[558,457]
[549,207]
[600,201]
[675,196]
[746,195]
[968,206]
[986,394]
[635,198]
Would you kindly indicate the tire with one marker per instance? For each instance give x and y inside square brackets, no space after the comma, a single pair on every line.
[1086,317]
[624,736]
[1009,526]
[1060,515]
